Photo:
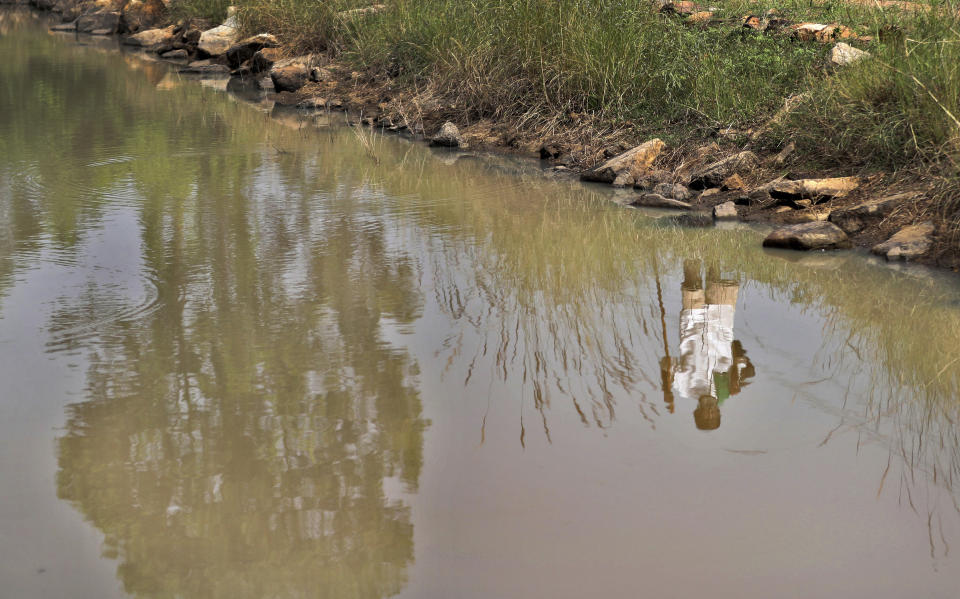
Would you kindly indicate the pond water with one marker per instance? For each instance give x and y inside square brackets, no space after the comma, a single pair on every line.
[251,353]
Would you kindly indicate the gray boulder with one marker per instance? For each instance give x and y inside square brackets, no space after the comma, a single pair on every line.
[448,136]
[216,41]
[818,235]
[713,174]
[725,211]
[906,244]
[289,77]
[672,190]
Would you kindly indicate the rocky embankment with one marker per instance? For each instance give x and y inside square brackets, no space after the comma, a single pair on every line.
[709,183]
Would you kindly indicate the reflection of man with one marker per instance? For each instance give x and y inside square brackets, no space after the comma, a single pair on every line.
[712,366]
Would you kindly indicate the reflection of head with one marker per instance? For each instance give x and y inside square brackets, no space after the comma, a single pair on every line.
[707,414]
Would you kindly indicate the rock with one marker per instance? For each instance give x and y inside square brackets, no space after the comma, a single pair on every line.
[105,19]
[216,41]
[713,174]
[807,32]
[72,26]
[733,183]
[819,235]
[175,55]
[264,60]
[844,54]
[708,193]
[244,50]
[151,38]
[814,189]
[855,219]
[679,7]
[138,15]
[632,164]
[318,74]
[674,191]
[906,244]
[289,77]
[785,153]
[725,211]
[650,179]
[448,136]
[193,29]
[102,32]
[655,200]
[702,17]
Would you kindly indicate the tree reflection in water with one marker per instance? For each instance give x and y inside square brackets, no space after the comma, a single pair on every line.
[238,439]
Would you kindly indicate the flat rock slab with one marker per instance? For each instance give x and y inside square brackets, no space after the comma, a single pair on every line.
[655,200]
[819,235]
[814,189]
[906,244]
[628,167]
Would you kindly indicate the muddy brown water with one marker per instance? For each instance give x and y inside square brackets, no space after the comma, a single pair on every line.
[251,353]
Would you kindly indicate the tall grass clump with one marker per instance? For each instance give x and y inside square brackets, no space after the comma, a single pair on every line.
[899,108]
[215,10]
[617,59]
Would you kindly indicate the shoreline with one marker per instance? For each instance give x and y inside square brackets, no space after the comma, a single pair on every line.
[730,177]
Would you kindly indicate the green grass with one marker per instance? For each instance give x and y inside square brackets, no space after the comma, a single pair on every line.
[621,64]
[614,59]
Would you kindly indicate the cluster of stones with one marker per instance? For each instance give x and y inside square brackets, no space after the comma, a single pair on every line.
[772,22]
[719,186]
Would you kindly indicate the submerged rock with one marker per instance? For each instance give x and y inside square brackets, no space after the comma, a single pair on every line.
[714,174]
[448,136]
[819,235]
[655,200]
[906,244]
[852,220]
[629,166]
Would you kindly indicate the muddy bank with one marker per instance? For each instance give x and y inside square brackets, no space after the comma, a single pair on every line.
[731,177]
